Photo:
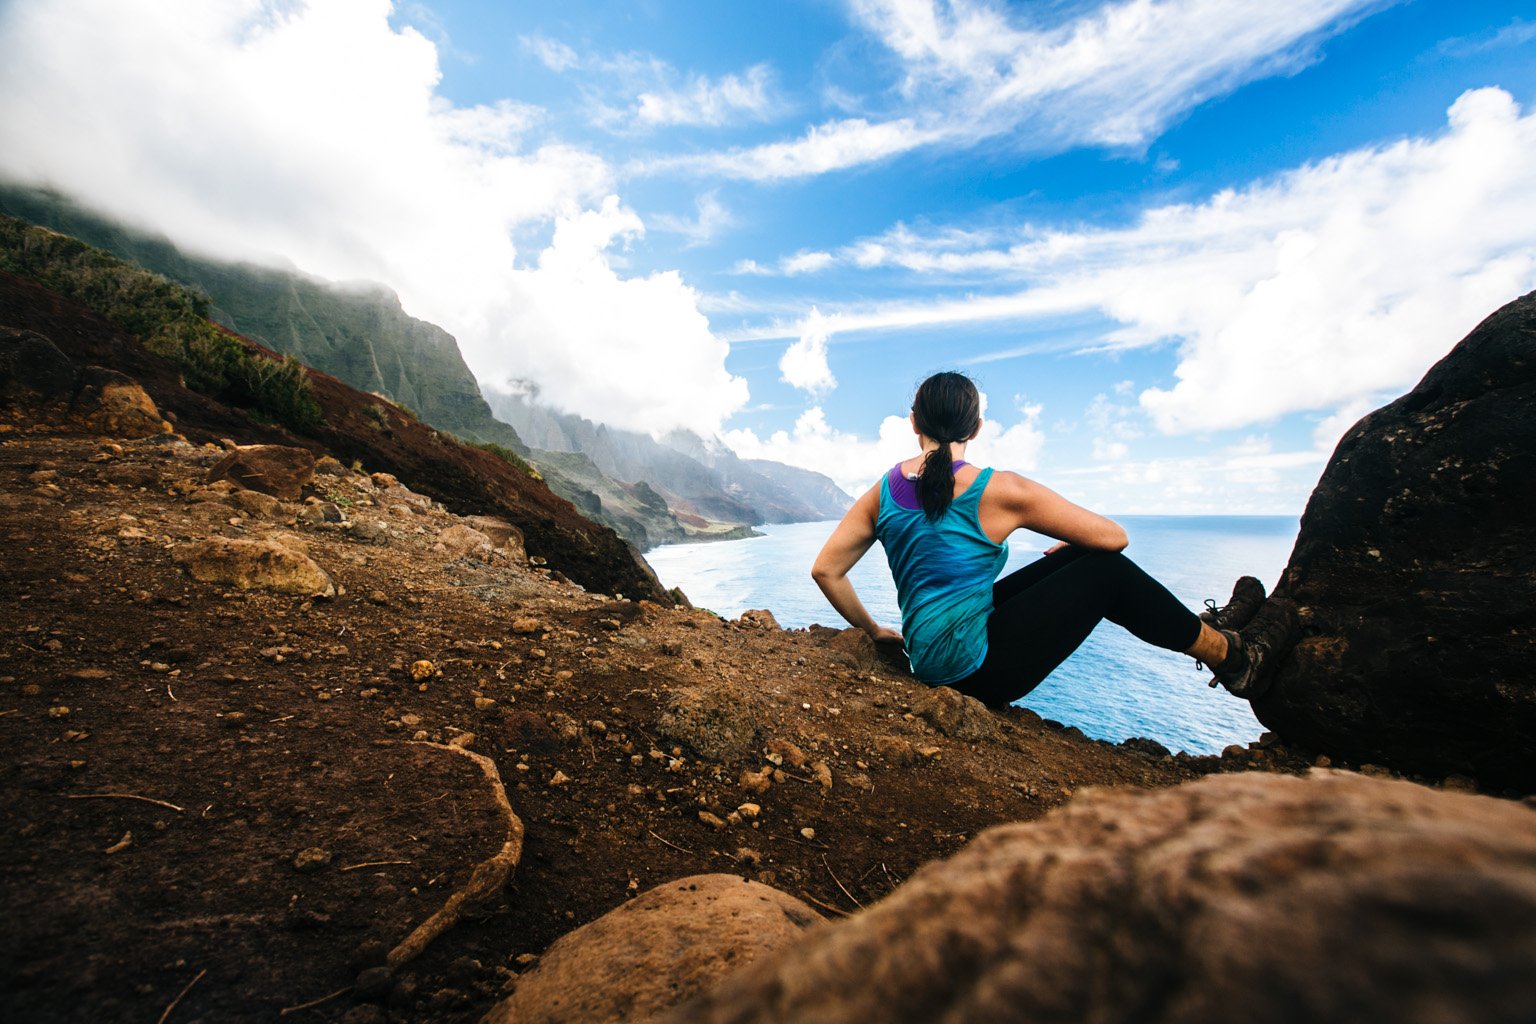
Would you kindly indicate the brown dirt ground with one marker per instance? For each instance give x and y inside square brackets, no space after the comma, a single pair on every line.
[276,724]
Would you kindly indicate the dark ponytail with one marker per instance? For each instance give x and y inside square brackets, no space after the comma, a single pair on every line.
[946,409]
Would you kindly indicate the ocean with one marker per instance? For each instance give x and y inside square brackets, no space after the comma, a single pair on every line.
[1114,687]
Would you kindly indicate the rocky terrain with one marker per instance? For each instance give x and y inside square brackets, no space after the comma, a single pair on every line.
[1415,574]
[356,725]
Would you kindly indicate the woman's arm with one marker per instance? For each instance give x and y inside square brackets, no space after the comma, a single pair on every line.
[842,551]
[1022,502]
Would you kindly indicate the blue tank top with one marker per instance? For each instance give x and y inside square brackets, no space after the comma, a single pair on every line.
[944,573]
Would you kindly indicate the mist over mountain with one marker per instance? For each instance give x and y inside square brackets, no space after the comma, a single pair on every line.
[651,492]
[697,475]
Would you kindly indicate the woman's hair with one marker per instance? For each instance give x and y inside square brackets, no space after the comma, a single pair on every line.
[946,409]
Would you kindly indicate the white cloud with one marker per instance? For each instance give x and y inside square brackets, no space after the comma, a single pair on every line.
[590,338]
[315,132]
[856,462]
[705,102]
[712,218]
[552,53]
[853,463]
[1016,447]
[832,146]
[807,262]
[1113,75]
[1331,284]
[804,363]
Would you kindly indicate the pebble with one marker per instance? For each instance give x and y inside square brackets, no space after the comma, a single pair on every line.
[234,719]
[484,703]
[59,712]
[423,669]
[378,597]
[310,860]
[749,810]
[808,833]
[410,720]
[559,778]
[714,821]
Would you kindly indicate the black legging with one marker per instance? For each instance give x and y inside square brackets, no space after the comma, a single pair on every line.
[1044,611]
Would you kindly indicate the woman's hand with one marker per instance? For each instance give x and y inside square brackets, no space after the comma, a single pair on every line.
[886,635]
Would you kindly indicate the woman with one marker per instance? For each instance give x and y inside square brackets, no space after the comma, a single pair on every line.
[944,526]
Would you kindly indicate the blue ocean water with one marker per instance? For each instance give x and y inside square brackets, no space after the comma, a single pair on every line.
[1112,688]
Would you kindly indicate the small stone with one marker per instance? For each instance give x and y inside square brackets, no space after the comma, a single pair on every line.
[422,670]
[234,719]
[929,752]
[748,856]
[310,860]
[484,703]
[563,675]
[411,720]
[559,778]
[714,821]
[59,712]
[378,597]
[749,810]
[808,833]
[525,626]
[822,774]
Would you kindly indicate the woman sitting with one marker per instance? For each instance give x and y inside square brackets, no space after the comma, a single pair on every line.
[944,525]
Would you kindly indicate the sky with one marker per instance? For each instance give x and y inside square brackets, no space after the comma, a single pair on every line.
[1181,245]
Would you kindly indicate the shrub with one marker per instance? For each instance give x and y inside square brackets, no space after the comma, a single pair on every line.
[170,320]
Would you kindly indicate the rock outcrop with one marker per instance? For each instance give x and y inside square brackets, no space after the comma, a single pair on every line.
[36,377]
[1415,575]
[1334,898]
[666,945]
[279,470]
[255,565]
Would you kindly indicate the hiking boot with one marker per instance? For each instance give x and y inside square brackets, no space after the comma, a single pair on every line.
[1254,654]
[1247,596]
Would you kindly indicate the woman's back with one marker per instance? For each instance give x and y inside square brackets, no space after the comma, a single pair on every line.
[943,569]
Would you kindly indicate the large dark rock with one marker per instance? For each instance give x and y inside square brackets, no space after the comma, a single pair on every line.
[1263,898]
[1415,575]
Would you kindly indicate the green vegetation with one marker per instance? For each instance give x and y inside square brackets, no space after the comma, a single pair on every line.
[169,319]
[505,454]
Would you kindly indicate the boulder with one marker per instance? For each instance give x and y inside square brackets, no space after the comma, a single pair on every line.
[274,469]
[1414,574]
[504,536]
[1265,898]
[721,723]
[114,405]
[664,946]
[954,714]
[255,565]
[33,371]
[459,541]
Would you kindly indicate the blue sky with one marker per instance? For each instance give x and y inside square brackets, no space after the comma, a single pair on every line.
[1181,244]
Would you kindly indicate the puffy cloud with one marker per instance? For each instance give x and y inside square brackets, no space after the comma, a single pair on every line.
[314,132]
[1320,289]
[855,462]
[804,363]
[807,262]
[590,337]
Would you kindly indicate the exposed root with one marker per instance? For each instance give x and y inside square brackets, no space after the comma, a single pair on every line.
[488,879]
[124,796]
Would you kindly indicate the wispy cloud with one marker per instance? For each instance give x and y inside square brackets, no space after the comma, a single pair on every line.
[1516,33]
[1311,291]
[705,101]
[1115,75]
[711,219]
